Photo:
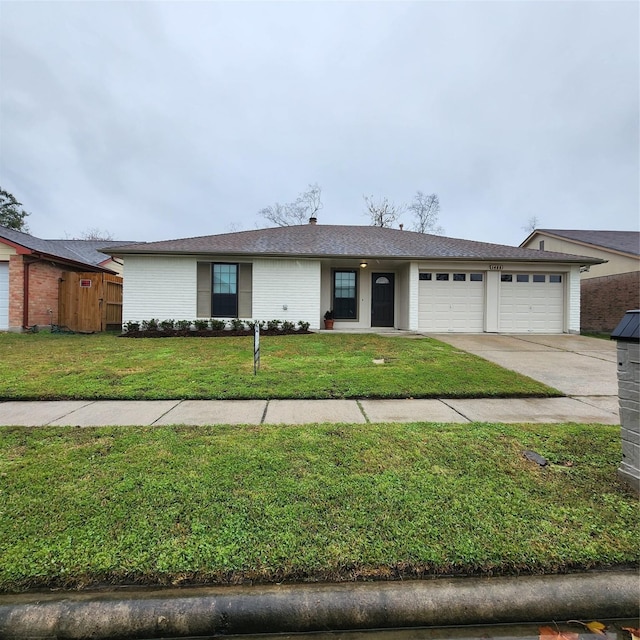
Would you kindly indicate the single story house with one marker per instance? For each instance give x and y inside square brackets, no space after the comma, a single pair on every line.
[368,276]
[30,272]
[608,290]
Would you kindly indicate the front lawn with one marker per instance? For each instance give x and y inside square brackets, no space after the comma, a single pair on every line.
[49,366]
[176,505]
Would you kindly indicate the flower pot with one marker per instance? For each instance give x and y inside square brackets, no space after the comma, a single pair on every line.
[328,324]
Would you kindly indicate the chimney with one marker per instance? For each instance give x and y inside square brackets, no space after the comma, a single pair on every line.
[401,226]
[313,220]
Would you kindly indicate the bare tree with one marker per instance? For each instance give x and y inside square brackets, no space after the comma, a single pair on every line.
[382,212]
[532,224]
[426,209]
[305,206]
[94,234]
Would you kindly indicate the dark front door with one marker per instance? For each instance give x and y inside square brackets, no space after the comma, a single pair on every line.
[382,299]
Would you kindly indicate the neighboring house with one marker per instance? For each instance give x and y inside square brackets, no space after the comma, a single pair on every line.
[30,271]
[369,277]
[608,290]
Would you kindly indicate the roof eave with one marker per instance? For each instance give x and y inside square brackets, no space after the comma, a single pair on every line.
[359,256]
[41,255]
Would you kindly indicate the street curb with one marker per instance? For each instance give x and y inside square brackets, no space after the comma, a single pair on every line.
[300,608]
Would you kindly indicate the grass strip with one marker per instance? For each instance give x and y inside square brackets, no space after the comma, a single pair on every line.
[48,366]
[176,505]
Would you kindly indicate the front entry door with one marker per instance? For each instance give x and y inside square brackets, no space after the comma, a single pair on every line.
[382,286]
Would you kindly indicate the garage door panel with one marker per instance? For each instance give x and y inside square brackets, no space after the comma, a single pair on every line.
[451,305]
[531,307]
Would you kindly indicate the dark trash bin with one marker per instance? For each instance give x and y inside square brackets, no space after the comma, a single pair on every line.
[627,333]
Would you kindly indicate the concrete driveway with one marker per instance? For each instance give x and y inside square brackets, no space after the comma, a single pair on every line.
[580,367]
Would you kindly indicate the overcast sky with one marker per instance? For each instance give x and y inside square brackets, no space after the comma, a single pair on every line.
[158,120]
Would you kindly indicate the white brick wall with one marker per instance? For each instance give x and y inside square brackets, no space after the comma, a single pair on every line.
[159,287]
[414,297]
[291,283]
[573,312]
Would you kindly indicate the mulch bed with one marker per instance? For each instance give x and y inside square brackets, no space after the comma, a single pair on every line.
[208,333]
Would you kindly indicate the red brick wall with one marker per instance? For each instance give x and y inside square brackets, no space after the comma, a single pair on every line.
[43,292]
[604,300]
[15,292]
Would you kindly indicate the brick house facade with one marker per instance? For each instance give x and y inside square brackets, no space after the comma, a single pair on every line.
[31,270]
[605,300]
[43,279]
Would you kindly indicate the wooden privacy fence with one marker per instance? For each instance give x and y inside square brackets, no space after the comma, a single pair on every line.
[89,302]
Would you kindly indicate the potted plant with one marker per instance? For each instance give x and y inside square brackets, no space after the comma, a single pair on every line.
[328,320]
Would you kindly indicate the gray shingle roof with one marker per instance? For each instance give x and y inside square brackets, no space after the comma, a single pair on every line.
[78,251]
[339,241]
[624,241]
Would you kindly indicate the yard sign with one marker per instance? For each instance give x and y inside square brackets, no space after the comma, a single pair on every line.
[256,348]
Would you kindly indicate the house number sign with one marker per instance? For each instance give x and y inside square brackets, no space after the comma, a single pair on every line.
[495,267]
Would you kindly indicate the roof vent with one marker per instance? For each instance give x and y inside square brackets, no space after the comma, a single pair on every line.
[313,220]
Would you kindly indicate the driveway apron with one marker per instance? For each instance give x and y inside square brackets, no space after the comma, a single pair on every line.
[576,365]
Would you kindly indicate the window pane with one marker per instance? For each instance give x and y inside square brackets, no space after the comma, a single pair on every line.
[425,276]
[345,284]
[459,277]
[475,277]
[506,277]
[225,278]
[442,276]
[555,278]
[539,278]
[522,277]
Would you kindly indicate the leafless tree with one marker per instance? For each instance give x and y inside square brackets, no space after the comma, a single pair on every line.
[426,209]
[382,212]
[305,206]
[532,224]
[94,234]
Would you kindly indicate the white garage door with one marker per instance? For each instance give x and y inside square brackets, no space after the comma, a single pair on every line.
[451,301]
[4,295]
[531,303]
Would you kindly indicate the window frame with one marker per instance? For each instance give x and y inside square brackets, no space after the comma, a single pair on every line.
[337,314]
[216,297]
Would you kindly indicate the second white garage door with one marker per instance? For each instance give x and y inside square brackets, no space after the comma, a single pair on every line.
[451,301]
[531,303]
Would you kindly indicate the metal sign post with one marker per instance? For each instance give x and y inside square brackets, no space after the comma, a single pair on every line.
[256,348]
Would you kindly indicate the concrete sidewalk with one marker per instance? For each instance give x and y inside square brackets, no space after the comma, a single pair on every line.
[597,409]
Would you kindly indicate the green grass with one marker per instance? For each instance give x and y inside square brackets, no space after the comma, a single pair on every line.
[48,366]
[173,505]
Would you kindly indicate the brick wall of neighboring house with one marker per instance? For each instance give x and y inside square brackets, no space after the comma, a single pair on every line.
[15,292]
[43,291]
[605,300]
